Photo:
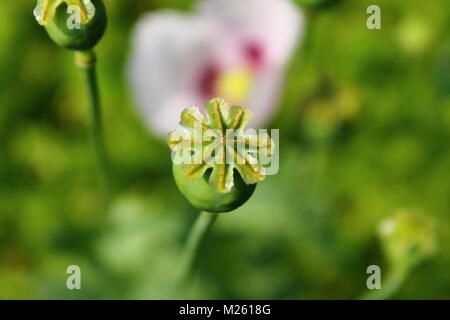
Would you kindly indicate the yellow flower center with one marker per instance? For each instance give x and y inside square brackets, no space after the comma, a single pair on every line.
[235,84]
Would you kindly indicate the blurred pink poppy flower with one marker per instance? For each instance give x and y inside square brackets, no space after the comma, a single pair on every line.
[233,49]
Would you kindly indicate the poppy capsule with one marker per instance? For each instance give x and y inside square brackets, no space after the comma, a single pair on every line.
[216,162]
[75,25]
[203,196]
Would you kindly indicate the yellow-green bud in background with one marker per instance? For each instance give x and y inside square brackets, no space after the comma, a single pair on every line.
[73,24]
[407,238]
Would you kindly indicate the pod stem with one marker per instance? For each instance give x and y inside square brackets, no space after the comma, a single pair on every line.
[204,222]
[86,62]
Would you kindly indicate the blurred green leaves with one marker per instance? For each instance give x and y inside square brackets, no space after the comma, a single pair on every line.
[315,3]
[364,131]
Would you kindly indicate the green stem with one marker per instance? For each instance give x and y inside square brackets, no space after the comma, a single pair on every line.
[204,222]
[86,62]
[389,287]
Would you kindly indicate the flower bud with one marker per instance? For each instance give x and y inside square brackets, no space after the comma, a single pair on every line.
[407,238]
[73,24]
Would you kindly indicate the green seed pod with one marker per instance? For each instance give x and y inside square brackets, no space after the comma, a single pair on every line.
[73,24]
[216,163]
[204,197]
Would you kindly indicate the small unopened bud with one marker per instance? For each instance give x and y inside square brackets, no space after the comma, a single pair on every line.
[407,238]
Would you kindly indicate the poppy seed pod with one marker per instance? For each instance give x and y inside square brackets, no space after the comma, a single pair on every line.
[73,24]
[216,164]
[204,197]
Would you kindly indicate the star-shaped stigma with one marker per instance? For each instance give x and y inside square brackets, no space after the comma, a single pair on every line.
[221,143]
[45,9]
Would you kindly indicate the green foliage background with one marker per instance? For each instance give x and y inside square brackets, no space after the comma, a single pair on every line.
[365,131]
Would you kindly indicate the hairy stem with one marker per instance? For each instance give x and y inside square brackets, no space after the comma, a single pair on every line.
[86,62]
[204,222]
